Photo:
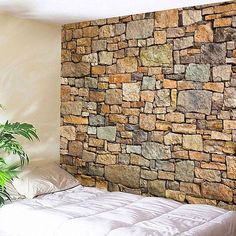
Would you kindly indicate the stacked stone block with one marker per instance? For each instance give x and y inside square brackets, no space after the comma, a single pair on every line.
[148,103]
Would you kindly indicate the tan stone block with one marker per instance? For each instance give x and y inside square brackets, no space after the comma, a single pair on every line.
[164,19]
[127,65]
[192,51]
[172,138]
[101,184]
[131,111]
[83,92]
[169,84]
[215,87]
[193,142]
[116,118]
[65,93]
[218,158]
[194,200]
[84,42]
[157,136]
[160,37]
[229,124]
[85,180]
[183,85]
[222,22]
[114,147]
[213,166]
[176,195]
[78,120]
[207,11]
[166,175]
[190,188]
[98,70]
[139,160]
[147,122]
[106,159]
[184,128]
[220,136]
[91,31]
[164,126]
[96,142]
[199,156]
[95,96]
[231,167]
[225,8]
[230,148]
[207,174]
[137,104]
[174,117]
[214,125]
[131,91]
[120,78]
[105,108]
[217,191]
[204,33]
[102,85]
[180,155]
[147,96]
[191,16]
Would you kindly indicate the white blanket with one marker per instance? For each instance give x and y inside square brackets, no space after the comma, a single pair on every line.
[91,212]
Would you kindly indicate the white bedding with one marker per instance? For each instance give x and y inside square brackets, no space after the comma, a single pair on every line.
[85,211]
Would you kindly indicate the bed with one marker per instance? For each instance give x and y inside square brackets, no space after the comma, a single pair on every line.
[86,211]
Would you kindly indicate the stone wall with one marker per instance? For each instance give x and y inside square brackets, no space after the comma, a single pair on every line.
[149,103]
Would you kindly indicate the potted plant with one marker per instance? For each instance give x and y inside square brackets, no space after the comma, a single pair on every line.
[10,145]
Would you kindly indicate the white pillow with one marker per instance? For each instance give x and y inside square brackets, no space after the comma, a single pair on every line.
[38,180]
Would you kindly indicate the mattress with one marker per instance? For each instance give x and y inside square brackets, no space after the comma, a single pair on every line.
[84,211]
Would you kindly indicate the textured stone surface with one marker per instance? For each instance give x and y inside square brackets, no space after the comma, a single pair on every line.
[217,191]
[198,72]
[131,91]
[122,174]
[193,142]
[113,96]
[96,120]
[71,108]
[151,150]
[204,33]
[162,98]
[127,64]
[182,43]
[147,122]
[222,73]
[230,97]
[150,99]
[209,175]
[105,58]
[157,188]
[231,167]
[139,29]
[184,171]
[165,19]
[70,69]
[191,16]
[107,133]
[194,101]
[148,83]
[213,53]
[160,55]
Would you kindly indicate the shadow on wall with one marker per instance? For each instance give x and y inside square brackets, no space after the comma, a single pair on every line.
[29,80]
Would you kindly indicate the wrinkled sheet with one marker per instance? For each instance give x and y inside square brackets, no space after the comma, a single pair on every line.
[83,211]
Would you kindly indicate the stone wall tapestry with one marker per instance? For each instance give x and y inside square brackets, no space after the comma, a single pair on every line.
[148,103]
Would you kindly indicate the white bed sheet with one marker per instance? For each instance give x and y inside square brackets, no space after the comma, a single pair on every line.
[85,211]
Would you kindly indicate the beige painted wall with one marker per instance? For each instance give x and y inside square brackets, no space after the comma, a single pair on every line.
[30,80]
